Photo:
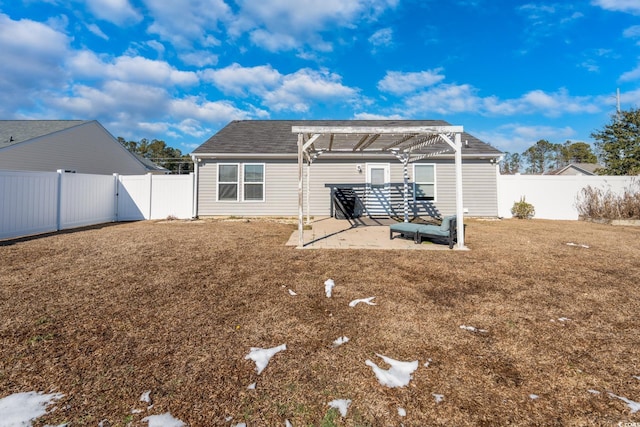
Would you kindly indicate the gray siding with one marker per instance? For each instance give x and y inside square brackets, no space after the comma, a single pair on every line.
[87,148]
[281,187]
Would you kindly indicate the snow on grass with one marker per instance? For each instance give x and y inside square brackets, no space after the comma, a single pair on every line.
[341,405]
[575,244]
[398,375]
[427,363]
[251,386]
[533,396]
[634,406]
[328,287]
[364,300]
[163,420]
[438,397]
[146,397]
[19,409]
[473,329]
[339,341]
[402,412]
[292,293]
[592,391]
[262,356]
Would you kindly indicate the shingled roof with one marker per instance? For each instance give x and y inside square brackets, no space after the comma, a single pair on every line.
[275,136]
[16,131]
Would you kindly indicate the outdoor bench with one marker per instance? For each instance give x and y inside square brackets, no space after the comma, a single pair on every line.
[446,231]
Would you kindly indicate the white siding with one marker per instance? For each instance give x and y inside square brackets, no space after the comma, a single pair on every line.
[281,187]
[87,148]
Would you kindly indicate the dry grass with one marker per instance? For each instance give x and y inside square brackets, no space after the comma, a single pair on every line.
[104,314]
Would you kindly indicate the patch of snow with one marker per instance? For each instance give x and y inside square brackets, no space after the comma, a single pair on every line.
[438,397]
[163,420]
[563,319]
[634,406]
[473,329]
[339,341]
[364,300]
[575,244]
[328,287]
[262,356]
[636,377]
[592,391]
[292,293]
[137,411]
[402,412]
[341,405]
[427,363]
[239,425]
[20,409]
[398,375]
[146,397]
[533,396]
[251,386]
[227,419]
[287,423]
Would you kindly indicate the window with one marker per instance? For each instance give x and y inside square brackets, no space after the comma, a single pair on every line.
[424,182]
[253,178]
[228,182]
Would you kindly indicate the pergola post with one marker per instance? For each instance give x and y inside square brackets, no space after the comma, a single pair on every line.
[459,202]
[300,196]
[405,163]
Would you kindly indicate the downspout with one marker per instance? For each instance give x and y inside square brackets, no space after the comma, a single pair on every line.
[300,195]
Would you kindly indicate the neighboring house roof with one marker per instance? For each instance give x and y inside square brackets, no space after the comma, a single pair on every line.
[16,131]
[577,169]
[275,136]
[21,135]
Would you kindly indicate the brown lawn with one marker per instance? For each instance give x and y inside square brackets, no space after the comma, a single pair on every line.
[105,314]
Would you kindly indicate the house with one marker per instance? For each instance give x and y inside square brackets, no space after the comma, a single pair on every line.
[81,146]
[588,169]
[254,168]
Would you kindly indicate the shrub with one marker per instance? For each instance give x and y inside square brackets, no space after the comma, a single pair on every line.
[595,203]
[522,209]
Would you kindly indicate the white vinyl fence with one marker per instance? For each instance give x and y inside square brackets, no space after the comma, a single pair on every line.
[41,202]
[554,196]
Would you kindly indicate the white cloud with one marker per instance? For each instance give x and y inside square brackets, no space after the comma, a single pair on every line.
[629,6]
[212,112]
[399,83]
[118,12]
[450,98]
[31,58]
[279,25]
[305,87]
[631,75]
[87,64]
[381,38]
[238,80]
[200,58]
[632,32]
[371,116]
[97,31]
[516,138]
[187,22]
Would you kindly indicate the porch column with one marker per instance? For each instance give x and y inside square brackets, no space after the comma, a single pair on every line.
[300,196]
[405,162]
[459,202]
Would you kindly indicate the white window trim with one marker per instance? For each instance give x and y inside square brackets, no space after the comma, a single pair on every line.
[264,179]
[435,182]
[237,183]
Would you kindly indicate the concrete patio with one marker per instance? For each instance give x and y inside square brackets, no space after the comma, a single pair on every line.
[362,233]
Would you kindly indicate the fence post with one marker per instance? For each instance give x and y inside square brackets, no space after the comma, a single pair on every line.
[59,201]
[116,189]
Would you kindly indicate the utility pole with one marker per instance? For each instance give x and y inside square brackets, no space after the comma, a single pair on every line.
[618,102]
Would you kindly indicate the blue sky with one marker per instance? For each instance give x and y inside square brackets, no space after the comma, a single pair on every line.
[510,72]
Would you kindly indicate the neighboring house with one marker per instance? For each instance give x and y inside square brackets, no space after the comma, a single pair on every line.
[577,169]
[250,168]
[81,146]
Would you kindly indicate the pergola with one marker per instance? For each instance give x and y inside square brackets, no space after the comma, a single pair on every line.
[406,143]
